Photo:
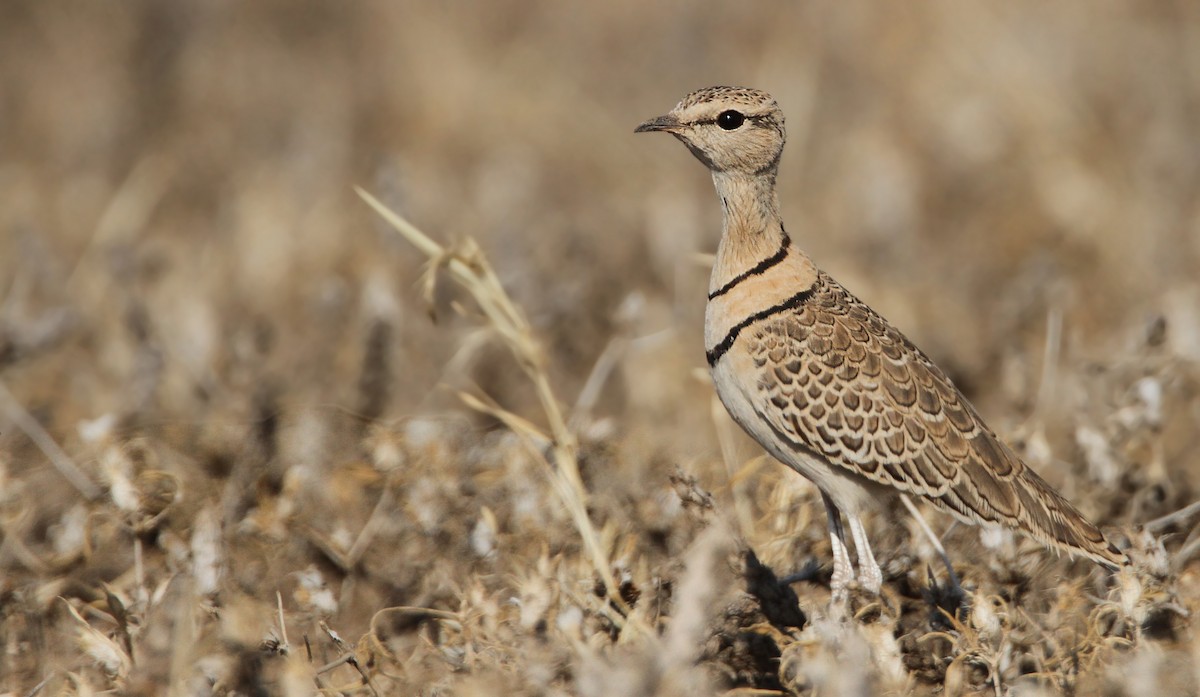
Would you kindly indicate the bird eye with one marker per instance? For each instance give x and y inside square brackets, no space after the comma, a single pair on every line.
[730,120]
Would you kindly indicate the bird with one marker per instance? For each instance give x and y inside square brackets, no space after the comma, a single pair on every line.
[829,387]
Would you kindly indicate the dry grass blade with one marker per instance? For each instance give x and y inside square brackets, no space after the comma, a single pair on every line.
[1181,516]
[62,462]
[603,368]
[933,540]
[522,427]
[39,687]
[469,268]
[107,653]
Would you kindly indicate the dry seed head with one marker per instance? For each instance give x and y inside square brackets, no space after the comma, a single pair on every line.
[313,593]
[207,551]
[483,535]
[385,448]
[117,468]
[108,654]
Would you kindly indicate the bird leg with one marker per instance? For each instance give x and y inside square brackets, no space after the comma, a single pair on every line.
[869,575]
[843,570]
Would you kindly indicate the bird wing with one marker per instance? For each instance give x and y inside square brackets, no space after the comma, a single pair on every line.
[840,381]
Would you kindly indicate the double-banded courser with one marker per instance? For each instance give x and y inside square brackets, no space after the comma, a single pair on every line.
[825,383]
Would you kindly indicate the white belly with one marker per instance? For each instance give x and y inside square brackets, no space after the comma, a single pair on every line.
[733,377]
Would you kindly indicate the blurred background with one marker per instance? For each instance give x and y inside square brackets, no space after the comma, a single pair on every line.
[196,306]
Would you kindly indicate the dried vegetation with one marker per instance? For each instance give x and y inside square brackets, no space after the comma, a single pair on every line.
[254,442]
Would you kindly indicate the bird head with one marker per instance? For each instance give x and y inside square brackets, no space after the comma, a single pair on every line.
[729,129]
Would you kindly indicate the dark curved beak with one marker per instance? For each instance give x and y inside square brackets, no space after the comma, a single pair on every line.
[659,123]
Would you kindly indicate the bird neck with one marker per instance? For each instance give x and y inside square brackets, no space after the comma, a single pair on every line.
[753,230]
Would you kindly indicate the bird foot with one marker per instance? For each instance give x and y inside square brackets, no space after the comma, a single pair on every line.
[870,580]
[861,603]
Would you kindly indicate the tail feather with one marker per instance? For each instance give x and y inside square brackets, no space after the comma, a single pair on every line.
[1007,492]
[1052,519]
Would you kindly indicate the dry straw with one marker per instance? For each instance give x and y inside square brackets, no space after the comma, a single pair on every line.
[467,265]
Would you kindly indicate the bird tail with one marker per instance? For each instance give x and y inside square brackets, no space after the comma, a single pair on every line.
[1053,521]
[995,486]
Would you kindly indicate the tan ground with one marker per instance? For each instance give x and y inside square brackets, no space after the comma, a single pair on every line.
[276,470]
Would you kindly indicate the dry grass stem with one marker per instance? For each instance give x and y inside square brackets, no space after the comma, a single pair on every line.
[57,456]
[933,540]
[1179,517]
[468,266]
